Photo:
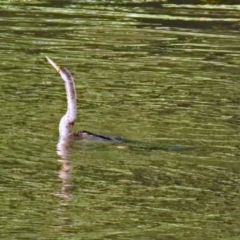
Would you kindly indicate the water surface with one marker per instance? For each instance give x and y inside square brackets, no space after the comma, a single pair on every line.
[164,74]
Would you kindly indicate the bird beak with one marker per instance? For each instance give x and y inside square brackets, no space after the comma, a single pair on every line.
[53,64]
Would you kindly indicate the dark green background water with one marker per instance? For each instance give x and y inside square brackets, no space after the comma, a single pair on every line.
[164,74]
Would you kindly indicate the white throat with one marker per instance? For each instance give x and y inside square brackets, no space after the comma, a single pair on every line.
[67,121]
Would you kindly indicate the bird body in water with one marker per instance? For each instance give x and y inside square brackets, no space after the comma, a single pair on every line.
[68,120]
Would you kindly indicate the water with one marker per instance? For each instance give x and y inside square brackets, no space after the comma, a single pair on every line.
[164,75]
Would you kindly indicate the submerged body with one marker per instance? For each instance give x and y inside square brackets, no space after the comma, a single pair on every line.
[68,120]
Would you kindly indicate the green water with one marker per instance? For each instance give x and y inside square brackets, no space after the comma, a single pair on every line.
[162,74]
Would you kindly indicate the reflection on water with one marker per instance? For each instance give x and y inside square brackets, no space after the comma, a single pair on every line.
[165,74]
[63,150]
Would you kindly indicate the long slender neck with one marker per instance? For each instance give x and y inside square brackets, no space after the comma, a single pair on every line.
[67,122]
[71,101]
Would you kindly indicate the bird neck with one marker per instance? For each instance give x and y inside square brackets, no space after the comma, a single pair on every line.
[71,101]
[67,122]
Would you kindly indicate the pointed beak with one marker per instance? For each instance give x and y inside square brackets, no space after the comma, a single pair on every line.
[53,64]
